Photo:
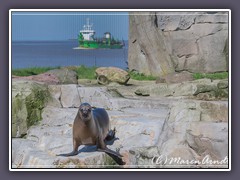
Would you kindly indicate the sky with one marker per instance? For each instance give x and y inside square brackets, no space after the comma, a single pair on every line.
[53,26]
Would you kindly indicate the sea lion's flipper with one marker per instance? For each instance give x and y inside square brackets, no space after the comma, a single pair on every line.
[117,159]
[110,152]
[111,135]
[113,154]
[73,153]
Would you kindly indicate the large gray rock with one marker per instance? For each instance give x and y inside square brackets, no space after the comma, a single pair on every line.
[163,42]
[147,51]
[202,48]
[28,100]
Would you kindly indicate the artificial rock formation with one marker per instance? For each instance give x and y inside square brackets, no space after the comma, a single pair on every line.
[146,128]
[164,42]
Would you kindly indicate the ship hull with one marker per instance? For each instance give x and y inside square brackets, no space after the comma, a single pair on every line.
[98,45]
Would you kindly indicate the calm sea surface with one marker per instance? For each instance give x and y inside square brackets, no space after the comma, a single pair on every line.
[61,53]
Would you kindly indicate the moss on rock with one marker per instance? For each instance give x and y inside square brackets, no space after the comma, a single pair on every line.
[19,116]
[28,100]
[35,103]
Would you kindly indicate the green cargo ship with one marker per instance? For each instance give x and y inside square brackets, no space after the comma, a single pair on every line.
[87,40]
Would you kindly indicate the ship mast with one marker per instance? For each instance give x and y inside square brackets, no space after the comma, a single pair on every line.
[88,26]
[87,31]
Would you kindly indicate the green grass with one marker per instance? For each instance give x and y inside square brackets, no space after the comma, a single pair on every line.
[82,71]
[31,71]
[221,75]
[86,72]
[141,76]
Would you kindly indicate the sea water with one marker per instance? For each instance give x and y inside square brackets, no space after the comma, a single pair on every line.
[62,53]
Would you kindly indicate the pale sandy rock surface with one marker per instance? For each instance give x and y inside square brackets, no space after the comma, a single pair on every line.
[146,127]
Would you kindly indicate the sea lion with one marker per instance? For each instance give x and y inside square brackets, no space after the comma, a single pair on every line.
[91,127]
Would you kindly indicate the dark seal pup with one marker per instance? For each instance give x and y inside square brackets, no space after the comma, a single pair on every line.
[91,127]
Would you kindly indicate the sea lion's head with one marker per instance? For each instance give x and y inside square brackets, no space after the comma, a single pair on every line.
[85,111]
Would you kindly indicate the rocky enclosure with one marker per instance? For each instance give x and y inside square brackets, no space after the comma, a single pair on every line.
[147,127]
[165,42]
[175,122]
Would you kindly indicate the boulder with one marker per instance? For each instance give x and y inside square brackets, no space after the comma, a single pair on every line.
[111,74]
[28,100]
[64,75]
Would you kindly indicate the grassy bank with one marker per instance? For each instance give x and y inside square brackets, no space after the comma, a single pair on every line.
[221,75]
[84,72]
